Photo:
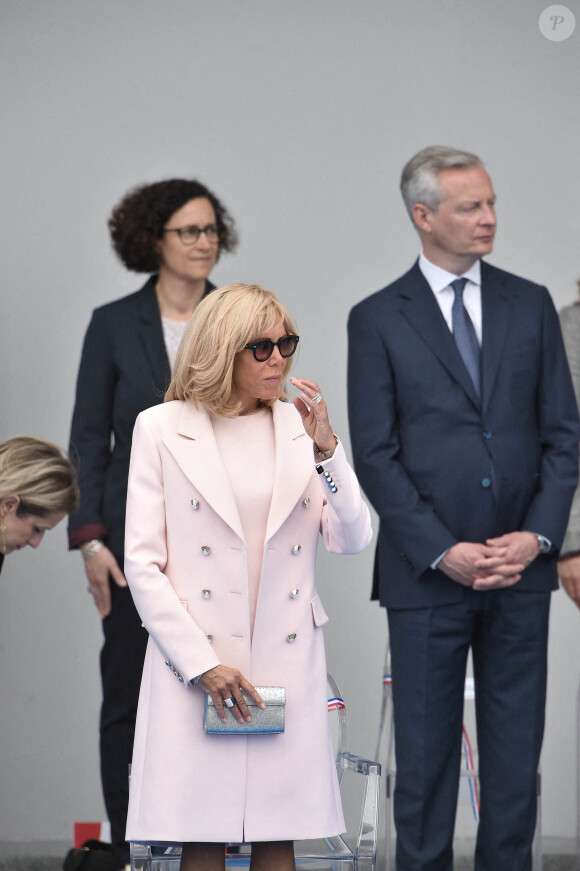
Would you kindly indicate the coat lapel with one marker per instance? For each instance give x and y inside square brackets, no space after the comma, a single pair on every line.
[495,315]
[419,306]
[293,467]
[195,450]
[151,333]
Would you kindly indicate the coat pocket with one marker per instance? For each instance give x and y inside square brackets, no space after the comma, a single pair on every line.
[319,615]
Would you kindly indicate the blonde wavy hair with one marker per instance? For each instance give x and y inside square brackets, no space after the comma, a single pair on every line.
[40,474]
[223,323]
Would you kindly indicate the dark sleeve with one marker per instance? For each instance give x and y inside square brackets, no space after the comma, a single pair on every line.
[559,433]
[409,521]
[90,439]
[570,324]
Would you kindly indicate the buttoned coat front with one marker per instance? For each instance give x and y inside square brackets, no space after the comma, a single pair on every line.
[186,566]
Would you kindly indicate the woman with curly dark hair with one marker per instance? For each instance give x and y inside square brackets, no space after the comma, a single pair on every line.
[176,230]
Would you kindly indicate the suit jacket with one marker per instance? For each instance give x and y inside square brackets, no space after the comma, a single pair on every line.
[186,567]
[124,369]
[570,323]
[438,464]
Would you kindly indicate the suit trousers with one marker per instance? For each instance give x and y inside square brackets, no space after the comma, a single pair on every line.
[122,657]
[507,631]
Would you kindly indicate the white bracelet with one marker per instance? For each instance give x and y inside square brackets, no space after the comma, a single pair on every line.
[90,548]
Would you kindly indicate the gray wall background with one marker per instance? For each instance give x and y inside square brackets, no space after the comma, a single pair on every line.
[300,115]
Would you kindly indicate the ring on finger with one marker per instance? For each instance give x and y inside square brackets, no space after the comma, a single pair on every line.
[317,398]
[229,703]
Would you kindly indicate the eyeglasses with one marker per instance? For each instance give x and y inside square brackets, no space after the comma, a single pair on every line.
[190,235]
[264,349]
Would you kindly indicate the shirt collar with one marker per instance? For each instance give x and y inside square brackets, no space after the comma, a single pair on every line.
[439,279]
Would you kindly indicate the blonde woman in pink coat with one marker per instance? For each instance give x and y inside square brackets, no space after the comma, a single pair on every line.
[229,489]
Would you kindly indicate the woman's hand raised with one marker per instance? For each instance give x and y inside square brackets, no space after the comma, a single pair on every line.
[312,408]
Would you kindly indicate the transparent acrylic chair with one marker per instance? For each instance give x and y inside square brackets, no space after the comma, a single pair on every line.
[468,792]
[334,854]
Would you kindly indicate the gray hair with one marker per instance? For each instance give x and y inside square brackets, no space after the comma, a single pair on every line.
[419,181]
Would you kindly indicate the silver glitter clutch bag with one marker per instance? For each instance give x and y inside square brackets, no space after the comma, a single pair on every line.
[266,721]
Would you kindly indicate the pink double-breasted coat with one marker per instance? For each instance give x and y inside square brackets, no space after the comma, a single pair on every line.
[186,566]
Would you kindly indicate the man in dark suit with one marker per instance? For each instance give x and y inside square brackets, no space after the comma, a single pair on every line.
[465,435]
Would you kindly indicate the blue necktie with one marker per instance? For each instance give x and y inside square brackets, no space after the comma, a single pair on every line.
[464,333]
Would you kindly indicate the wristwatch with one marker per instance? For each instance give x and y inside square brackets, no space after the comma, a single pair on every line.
[325,453]
[544,546]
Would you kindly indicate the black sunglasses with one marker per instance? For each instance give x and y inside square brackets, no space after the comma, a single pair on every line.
[264,349]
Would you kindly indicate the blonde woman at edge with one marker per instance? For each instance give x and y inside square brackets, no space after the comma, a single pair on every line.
[37,489]
[229,489]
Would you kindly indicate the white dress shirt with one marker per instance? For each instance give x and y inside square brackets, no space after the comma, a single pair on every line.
[439,281]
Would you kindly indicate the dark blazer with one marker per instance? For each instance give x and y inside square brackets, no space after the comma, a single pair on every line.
[124,369]
[438,465]
[570,324]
